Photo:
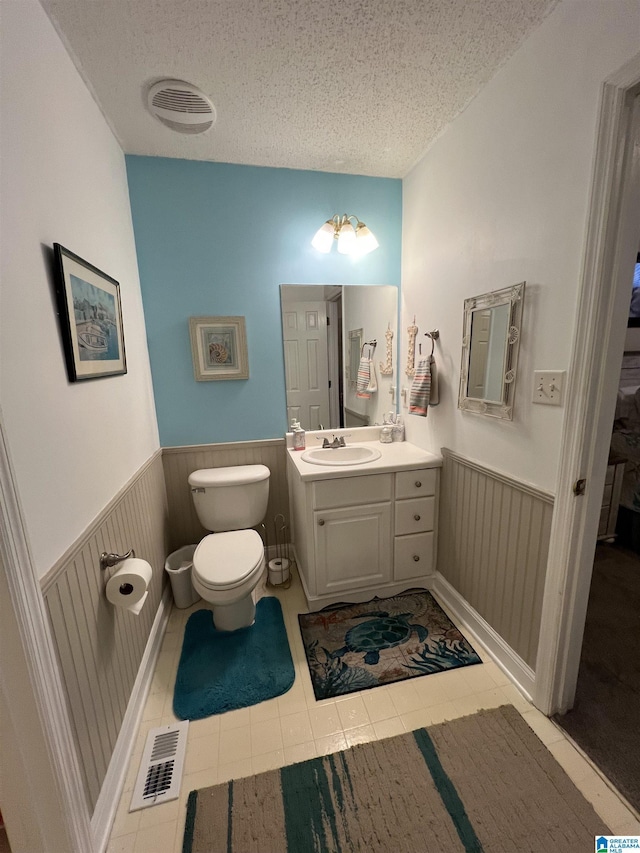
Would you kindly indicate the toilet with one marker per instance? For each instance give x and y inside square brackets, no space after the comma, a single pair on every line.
[228,563]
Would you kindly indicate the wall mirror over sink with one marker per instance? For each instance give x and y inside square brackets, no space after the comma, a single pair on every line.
[324,329]
[490,343]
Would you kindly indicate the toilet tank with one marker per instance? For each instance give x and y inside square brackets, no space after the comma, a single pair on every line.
[230,498]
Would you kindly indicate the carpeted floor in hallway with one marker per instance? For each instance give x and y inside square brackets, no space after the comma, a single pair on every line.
[604,720]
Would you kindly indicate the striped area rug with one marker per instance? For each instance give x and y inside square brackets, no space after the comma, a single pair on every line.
[479,783]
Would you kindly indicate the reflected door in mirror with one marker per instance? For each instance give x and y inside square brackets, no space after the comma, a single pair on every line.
[489,332]
[307,377]
[324,327]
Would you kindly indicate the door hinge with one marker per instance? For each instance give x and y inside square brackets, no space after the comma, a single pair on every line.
[579,487]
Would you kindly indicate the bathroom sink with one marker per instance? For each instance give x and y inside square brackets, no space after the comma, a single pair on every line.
[350,455]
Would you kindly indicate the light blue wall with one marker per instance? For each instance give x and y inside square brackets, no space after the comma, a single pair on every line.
[217,239]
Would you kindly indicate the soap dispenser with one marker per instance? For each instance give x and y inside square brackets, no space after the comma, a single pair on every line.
[298,435]
[398,429]
[386,432]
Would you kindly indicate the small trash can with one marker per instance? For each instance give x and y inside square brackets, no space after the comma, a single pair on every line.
[178,566]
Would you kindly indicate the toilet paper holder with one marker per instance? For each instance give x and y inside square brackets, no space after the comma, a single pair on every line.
[108,561]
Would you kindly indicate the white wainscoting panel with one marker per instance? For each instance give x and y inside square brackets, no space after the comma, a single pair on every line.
[493,547]
[100,648]
[179,462]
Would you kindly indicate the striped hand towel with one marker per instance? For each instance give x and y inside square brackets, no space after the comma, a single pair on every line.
[421,388]
[434,395]
[364,378]
[372,387]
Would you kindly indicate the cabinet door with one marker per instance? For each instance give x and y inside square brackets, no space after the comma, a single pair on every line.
[353,547]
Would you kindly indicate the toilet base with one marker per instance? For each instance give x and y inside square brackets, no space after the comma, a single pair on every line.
[232,617]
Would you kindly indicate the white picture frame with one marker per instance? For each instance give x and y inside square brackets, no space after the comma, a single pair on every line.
[219,348]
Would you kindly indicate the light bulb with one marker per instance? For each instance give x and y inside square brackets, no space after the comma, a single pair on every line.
[346,239]
[324,237]
[365,240]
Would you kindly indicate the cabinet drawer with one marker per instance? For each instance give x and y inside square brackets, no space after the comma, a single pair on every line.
[412,484]
[414,516]
[349,491]
[413,556]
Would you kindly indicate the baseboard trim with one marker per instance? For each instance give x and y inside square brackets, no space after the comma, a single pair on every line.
[111,790]
[470,621]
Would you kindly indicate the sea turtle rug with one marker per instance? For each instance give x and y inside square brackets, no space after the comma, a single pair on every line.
[478,784]
[352,647]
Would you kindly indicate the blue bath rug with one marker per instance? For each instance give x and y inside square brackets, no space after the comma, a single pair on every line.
[224,670]
[353,647]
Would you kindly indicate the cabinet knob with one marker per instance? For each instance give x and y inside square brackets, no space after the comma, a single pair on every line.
[416,517]
[418,484]
[321,522]
[416,558]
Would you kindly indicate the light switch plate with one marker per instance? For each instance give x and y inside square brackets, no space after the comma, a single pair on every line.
[548,387]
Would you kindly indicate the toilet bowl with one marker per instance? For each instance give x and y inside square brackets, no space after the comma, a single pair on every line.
[228,563]
[226,569]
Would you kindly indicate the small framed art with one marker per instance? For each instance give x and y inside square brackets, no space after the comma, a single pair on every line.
[219,348]
[90,318]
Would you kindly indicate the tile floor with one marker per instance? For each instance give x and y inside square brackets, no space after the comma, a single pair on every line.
[295,727]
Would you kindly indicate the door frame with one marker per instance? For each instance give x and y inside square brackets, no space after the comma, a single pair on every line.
[334,344]
[613,232]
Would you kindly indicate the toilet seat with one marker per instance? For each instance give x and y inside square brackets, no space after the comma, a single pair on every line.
[227,560]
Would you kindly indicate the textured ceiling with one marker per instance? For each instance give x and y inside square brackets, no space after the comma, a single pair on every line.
[331,85]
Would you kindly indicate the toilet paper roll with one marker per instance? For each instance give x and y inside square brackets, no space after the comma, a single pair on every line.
[278,571]
[128,587]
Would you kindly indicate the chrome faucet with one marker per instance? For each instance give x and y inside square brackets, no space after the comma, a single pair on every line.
[337,442]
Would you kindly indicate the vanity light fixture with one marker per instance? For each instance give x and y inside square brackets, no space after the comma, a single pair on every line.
[351,241]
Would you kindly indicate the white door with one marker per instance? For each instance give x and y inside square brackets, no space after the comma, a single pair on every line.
[479,351]
[612,244]
[306,363]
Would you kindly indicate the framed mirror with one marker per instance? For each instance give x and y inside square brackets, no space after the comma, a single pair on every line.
[490,343]
[323,330]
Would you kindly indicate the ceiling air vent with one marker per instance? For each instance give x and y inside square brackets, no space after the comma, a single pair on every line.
[181,106]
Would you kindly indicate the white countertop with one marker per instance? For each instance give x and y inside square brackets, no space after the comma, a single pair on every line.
[396,456]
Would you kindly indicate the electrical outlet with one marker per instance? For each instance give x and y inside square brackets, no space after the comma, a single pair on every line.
[548,387]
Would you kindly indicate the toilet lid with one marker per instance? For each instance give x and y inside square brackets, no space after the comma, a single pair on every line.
[226,559]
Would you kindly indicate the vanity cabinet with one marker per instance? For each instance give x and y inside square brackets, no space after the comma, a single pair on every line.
[356,537]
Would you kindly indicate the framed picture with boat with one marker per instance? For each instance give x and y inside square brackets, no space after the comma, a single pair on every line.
[219,348]
[90,318]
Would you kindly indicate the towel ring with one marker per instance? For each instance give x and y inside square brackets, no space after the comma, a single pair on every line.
[434,335]
[373,344]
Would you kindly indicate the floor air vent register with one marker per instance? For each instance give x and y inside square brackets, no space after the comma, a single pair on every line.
[161,766]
